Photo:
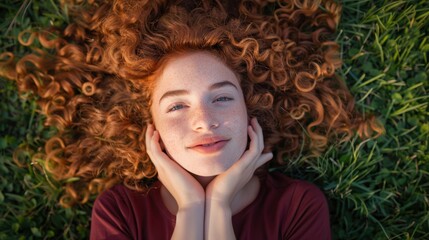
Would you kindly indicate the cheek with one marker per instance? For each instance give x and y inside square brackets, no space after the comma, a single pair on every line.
[238,124]
[171,131]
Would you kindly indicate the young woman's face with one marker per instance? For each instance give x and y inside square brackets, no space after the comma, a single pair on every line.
[199,110]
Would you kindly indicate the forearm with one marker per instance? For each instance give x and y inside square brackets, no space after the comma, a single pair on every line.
[189,223]
[218,221]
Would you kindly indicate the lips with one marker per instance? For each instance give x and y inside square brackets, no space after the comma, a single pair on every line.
[209,144]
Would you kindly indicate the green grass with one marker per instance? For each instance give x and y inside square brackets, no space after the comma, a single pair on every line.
[377,189]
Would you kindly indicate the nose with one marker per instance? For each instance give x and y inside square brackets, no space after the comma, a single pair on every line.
[203,119]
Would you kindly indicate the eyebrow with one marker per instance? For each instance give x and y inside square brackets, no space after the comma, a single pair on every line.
[184,92]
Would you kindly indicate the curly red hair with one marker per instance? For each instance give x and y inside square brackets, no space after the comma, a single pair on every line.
[94,79]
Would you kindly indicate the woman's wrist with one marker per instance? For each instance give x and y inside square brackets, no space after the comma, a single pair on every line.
[191,207]
[190,222]
[218,204]
[218,220]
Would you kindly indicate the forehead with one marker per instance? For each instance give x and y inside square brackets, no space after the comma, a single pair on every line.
[197,69]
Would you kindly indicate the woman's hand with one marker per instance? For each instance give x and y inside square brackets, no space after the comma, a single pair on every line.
[226,185]
[185,189]
[222,190]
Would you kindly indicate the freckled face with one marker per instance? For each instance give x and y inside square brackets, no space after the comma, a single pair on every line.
[199,110]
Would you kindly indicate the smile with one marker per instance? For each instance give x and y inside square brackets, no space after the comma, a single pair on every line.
[210,147]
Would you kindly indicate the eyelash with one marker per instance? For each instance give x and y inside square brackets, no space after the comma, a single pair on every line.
[226,98]
[172,109]
[176,107]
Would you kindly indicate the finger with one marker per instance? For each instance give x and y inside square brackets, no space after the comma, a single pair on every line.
[258,129]
[252,154]
[149,131]
[154,145]
[246,171]
[249,153]
[264,158]
[253,138]
[148,137]
[153,148]
[251,168]
[155,141]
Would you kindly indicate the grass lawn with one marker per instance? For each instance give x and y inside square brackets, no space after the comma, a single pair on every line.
[377,189]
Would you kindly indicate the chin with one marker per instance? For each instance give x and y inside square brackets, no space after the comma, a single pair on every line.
[207,166]
[209,170]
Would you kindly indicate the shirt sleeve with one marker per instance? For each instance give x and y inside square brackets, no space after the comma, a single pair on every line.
[309,214]
[108,217]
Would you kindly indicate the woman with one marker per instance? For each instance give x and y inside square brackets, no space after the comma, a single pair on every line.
[208,187]
[178,103]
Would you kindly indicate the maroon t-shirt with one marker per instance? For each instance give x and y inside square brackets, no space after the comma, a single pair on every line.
[285,208]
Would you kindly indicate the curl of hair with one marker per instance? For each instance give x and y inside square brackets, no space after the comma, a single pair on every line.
[95,82]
